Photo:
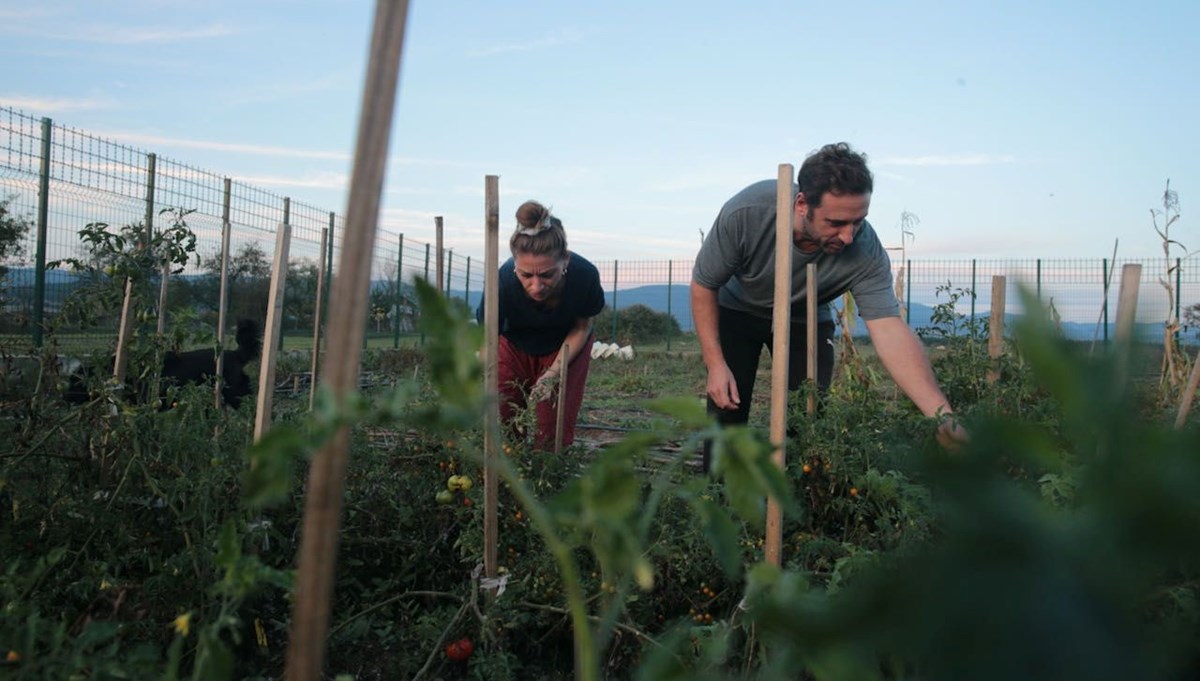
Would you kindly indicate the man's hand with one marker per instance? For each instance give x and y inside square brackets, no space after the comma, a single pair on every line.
[543,387]
[722,388]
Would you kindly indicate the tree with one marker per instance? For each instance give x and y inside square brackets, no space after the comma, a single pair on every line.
[638,324]
[248,285]
[13,229]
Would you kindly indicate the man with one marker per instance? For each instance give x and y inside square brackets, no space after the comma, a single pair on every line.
[733,288]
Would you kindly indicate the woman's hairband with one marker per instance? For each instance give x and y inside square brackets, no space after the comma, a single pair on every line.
[537,229]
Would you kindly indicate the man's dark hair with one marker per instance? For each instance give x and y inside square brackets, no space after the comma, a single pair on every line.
[834,168]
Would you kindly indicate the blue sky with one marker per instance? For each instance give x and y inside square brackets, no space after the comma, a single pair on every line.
[1011,129]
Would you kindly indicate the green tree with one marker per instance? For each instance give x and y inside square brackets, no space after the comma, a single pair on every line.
[637,324]
[13,229]
[249,282]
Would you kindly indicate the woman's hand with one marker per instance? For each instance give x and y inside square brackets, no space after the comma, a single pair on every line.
[544,386]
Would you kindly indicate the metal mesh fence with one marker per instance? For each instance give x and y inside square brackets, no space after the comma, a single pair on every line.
[91,180]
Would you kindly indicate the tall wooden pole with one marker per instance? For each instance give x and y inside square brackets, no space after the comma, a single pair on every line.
[781,326]
[272,334]
[491,349]
[1131,282]
[562,397]
[996,327]
[810,320]
[348,309]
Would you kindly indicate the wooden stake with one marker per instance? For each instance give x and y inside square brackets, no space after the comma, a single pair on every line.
[1189,393]
[316,344]
[810,288]
[323,502]
[124,335]
[270,344]
[1131,281]
[491,350]
[781,327]
[996,326]
[562,397]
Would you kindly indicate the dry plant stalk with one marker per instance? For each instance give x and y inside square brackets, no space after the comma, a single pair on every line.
[1174,363]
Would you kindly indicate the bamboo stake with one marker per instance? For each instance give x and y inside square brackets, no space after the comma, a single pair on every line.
[124,335]
[491,350]
[270,344]
[323,503]
[996,326]
[316,344]
[562,397]
[781,327]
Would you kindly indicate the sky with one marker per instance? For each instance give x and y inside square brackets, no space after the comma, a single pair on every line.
[1027,129]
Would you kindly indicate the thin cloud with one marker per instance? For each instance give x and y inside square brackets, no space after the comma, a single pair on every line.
[320,181]
[55,104]
[250,149]
[563,37]
[947,160]
[124,35]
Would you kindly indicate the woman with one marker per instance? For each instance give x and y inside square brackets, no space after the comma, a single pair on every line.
[547,296]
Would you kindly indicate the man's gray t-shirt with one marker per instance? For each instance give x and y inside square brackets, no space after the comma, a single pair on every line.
[738,258]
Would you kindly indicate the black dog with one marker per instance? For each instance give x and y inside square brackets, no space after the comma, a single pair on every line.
[197,366]
[194,367]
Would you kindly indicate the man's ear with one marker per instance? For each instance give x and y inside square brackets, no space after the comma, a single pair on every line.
[801,203]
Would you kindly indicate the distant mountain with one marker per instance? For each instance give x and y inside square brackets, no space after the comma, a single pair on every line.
[920,314]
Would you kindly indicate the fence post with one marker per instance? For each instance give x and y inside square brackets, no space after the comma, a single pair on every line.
[1039,278]
[399,292]
[467,284]
[287,220]
[1178,296]
[670,317]
[908,292]
[151,175]
[315,368]
[614,303]
[39,262]
[438,235]
[329,259]
[223,292]
[1104,307]
[449,270]
[974,292]
[427,281]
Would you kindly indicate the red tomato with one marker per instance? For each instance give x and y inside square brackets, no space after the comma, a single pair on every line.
[460,650]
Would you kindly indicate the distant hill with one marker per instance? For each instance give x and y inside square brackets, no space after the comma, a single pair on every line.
[921,314]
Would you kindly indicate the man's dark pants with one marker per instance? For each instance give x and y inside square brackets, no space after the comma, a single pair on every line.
[743,336]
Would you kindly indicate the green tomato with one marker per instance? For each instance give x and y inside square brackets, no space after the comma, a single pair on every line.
[464,483]
[445,496]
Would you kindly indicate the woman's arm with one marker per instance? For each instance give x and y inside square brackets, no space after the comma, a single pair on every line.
[575,341]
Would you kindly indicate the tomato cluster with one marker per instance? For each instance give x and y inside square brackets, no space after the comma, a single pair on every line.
[460,650]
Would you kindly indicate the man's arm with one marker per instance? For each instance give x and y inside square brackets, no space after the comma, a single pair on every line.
[904,358]
[722,388]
